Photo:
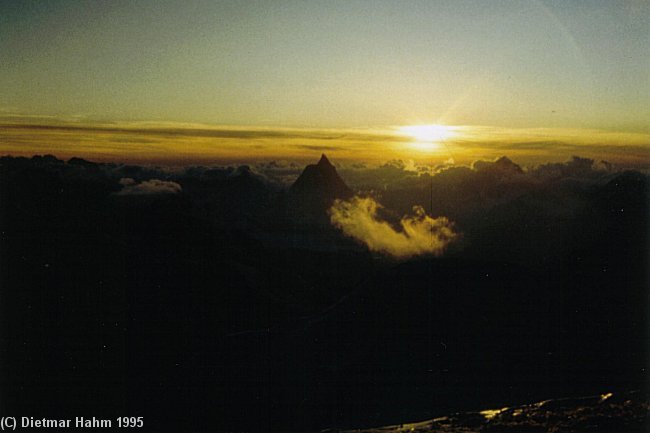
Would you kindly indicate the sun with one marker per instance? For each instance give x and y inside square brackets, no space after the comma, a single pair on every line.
[428,133]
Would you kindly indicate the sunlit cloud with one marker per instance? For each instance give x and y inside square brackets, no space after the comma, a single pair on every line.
[417,234]
[148,187]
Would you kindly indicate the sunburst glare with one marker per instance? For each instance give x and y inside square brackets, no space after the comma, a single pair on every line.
[428,137]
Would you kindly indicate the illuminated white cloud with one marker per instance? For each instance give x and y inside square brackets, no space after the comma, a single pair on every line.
[418,234]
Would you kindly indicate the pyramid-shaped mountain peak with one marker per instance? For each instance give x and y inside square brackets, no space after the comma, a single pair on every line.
[321,180]
[324,161]
[317,187]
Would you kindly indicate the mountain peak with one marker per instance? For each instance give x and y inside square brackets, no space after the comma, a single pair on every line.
[324,161]
[321,179]
[316,189]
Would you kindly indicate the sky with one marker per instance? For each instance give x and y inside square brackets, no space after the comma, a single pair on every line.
[375,66]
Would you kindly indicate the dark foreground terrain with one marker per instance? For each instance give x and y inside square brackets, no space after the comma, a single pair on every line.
[606,413]
[212,299]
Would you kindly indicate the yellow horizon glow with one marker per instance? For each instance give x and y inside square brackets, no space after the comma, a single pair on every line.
[182,144]
[429,132]
[428,137]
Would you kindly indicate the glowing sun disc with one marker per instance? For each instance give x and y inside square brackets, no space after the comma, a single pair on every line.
[428,133]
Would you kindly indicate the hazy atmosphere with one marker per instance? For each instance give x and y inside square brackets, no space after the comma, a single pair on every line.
[223,80]
[325,216]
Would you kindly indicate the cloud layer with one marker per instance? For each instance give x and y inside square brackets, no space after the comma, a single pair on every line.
[418,234]
[151,186]
[184,144]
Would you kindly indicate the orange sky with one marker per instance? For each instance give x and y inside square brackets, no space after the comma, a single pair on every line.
[155,82]
[179,144]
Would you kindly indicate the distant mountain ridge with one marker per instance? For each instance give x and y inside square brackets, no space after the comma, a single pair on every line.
[620,412]
[321,179]
[313,193]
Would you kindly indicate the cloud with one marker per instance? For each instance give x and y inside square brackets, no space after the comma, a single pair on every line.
[280,172]
[127,181]
[151,186]
[577,167]
[400,164]
[418,234]
[502,167]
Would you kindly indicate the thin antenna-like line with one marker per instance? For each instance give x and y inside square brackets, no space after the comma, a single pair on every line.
[431,201]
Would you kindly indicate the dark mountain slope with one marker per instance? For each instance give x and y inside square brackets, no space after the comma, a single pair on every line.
[315,190]
[625,412]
